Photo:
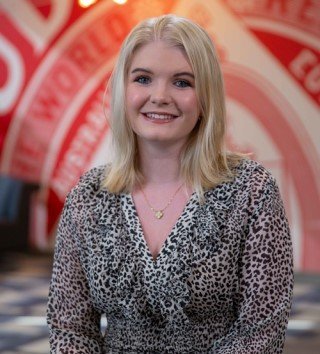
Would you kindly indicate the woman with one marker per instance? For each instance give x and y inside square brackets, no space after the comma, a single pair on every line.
[183,246]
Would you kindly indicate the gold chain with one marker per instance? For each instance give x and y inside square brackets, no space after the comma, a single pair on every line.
[160,212]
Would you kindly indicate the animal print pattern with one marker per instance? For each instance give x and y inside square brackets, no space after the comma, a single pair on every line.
[222,282]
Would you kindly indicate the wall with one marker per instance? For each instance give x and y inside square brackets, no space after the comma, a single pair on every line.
[55,60]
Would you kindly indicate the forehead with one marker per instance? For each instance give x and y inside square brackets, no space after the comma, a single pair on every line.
[159,55]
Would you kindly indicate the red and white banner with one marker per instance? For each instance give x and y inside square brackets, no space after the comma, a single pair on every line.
[55,60]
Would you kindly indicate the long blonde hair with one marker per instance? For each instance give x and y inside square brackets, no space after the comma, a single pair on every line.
[205,162]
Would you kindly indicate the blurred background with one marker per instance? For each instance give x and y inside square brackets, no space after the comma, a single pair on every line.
[55,60]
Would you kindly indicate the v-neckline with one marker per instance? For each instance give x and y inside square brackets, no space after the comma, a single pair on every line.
[139,235]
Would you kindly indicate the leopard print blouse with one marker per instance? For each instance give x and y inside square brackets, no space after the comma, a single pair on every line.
[222,282]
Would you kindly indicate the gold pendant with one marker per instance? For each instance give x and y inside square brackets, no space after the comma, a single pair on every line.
[158,214]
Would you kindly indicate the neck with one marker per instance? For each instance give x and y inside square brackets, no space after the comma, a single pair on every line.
[159,165]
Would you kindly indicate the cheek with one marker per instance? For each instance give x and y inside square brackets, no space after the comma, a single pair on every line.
[190,104]
[134,99]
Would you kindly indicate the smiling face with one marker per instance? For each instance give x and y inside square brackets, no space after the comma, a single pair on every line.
[161,101]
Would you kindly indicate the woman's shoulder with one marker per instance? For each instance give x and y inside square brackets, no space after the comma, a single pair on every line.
[252,171]
[249,175]
[94,176]
[254,178]
[90,184]
[252,183]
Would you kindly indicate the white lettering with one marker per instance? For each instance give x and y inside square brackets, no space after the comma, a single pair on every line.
[15,69]
[305,59]
[311,12]
[38,30]
[312,81]
[81,147]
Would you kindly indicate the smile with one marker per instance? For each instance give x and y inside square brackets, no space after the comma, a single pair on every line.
[160,116]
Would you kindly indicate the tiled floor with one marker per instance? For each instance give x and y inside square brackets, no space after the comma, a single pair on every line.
[24,283]
[23,291]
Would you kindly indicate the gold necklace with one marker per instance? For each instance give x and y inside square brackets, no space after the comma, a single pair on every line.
[160,212]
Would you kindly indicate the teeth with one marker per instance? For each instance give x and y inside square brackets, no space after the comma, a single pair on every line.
[159,116]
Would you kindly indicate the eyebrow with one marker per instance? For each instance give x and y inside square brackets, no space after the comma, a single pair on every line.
[183,73]
[141,69]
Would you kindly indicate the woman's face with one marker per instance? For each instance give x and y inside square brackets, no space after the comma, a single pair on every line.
[161,101]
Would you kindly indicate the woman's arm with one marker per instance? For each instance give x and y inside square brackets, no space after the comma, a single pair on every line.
[73,322]
[265,278]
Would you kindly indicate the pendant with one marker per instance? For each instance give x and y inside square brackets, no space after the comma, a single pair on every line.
[158,214]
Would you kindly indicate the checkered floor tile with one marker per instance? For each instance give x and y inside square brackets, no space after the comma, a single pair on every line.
[24,281]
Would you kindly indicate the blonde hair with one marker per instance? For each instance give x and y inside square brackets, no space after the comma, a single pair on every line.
[205,162]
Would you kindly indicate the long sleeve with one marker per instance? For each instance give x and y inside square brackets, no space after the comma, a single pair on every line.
[73,322]
[265,277]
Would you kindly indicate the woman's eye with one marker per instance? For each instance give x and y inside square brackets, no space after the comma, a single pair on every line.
[182,83]
[142,80]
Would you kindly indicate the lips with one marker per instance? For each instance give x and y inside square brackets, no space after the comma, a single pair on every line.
[156,116]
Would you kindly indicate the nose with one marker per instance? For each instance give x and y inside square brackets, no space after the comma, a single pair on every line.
[160,95]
